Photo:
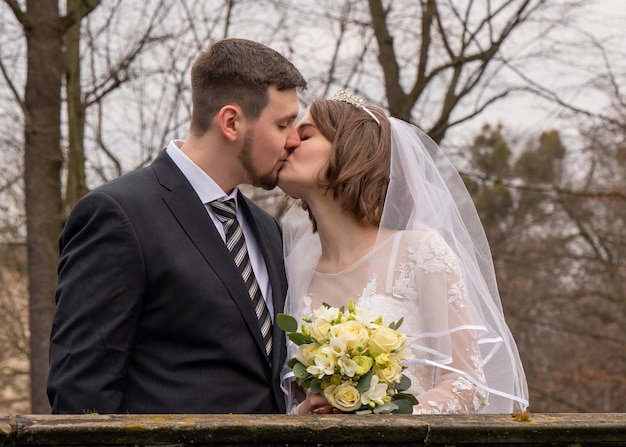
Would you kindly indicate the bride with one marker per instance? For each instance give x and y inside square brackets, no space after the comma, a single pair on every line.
[385,220]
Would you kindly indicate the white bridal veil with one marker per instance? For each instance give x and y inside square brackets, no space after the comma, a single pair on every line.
[426,195]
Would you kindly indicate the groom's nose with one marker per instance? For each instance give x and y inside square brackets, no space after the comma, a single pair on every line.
[293,139]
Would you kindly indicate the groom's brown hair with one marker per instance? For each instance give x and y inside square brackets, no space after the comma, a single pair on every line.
[237,71]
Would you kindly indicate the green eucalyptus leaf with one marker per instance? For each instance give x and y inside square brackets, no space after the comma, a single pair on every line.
[299,370]
[291,362]
[286,322]
[404,406]
[386,408]
[397,324]
[364,381]
[404,384]
[316,386]
[405,396]
[299,339]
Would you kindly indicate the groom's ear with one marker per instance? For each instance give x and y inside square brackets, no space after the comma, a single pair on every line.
[230,122]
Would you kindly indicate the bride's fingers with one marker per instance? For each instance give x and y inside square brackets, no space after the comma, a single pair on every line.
[327,409]
[316,400]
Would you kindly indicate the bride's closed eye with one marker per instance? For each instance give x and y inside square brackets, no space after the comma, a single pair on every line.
[305,134]
[306,131]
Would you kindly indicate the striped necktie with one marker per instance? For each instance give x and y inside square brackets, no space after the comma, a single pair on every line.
[236,244]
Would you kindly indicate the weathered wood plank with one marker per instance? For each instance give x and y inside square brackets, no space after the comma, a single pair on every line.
[605,429]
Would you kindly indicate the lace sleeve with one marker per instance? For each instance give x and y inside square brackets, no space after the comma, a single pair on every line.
[455,385]
[453,381]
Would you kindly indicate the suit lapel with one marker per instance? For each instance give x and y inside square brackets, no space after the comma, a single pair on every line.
[194,220]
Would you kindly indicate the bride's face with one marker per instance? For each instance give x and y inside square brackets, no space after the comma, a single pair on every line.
[305,167]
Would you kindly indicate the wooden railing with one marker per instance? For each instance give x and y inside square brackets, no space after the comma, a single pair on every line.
[600,429]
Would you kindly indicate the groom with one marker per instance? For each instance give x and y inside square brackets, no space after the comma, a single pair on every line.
[155,314]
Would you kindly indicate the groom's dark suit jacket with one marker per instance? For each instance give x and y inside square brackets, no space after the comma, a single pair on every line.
[152,315]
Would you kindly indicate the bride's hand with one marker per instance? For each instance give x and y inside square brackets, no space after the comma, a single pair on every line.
[316,404]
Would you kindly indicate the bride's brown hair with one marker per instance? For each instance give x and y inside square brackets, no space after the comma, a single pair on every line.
[360,158]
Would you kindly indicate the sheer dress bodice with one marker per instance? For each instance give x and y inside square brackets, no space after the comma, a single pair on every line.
[415,276]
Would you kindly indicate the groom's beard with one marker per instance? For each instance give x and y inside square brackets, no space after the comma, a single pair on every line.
[266,181]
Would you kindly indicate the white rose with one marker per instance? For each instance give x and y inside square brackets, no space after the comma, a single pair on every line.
[344,396]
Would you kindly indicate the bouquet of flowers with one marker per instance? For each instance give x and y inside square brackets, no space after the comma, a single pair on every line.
[352,358]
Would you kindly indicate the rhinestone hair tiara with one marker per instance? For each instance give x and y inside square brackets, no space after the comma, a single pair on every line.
[351,98]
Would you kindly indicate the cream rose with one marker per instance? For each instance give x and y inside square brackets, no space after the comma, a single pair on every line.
[354,335]
[385,340]
[306,353]
[320,330]
[345,397]
[391,371]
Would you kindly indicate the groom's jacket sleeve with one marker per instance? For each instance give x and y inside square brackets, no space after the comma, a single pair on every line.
[99,300]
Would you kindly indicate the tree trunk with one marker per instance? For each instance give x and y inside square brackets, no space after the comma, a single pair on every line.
[76,185]
[42,167]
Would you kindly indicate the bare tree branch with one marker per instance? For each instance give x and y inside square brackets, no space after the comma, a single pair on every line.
[85,7]
[16,94]
[20,15]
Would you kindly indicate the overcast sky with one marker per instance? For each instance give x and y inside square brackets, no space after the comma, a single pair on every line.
[606,21]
